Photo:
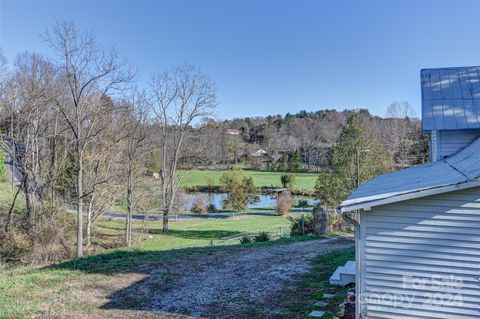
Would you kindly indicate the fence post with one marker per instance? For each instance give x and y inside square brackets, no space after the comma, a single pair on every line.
[281,232]
[303,224]
[323,221]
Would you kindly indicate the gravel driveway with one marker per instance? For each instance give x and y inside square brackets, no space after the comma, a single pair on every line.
[222,284]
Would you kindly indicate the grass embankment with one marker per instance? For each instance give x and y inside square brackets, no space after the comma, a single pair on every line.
[6,197]
[197,178]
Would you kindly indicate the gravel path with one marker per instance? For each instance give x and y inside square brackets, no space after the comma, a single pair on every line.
[214,285]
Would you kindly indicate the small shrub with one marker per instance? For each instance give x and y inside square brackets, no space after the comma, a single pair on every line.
[245,239]
[302,203]
[212,208]
[200,206]
[288,181]
[284,203]
[296,224]
[261,237]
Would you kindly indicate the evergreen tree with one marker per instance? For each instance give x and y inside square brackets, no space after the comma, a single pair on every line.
[241,190]
[356,158]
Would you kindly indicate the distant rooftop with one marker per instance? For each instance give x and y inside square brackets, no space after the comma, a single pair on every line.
[450,98]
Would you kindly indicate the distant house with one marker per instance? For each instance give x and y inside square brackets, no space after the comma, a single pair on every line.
[418,229]
[259,153]
[231,131]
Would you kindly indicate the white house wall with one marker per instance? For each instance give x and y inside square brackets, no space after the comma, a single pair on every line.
[436,236]
[450,142]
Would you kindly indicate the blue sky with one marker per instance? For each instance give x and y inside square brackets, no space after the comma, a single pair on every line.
[272,57]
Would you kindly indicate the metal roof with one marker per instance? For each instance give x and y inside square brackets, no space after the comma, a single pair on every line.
[450,98]
[442,176]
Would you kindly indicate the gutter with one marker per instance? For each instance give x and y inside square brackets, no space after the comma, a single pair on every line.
[356,224]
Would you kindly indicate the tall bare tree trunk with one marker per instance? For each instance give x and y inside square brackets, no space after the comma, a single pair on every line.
[89,221]
[80,203]
[128,221]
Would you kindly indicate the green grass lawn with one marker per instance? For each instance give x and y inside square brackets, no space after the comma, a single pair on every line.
[6,196]
[260,178]
[195,232]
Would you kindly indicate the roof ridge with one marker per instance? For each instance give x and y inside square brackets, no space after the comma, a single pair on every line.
[456,169]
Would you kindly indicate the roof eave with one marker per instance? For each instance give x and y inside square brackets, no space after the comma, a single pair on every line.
[367,203]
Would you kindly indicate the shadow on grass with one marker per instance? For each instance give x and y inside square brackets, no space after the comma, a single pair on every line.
[125,260]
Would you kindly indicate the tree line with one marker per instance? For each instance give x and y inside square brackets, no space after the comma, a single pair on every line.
[305,141]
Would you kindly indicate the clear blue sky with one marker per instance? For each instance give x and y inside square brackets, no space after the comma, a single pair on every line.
[272,57]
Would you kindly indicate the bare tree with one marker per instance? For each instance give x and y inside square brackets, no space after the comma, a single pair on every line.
[89,73]
[135,116]
[102,171]
[180,96]
[34,79]
[400,114]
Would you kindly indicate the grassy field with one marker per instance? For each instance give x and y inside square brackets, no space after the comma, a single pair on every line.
[195,232]
[267,179]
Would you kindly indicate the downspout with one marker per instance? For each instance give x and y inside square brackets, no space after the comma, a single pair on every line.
[356,224]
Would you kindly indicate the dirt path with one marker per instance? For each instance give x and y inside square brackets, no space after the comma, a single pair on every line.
[224,283]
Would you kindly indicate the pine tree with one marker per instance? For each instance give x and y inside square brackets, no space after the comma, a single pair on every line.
[356,158]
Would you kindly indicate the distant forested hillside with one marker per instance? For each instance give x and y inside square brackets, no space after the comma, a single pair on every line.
[304,141]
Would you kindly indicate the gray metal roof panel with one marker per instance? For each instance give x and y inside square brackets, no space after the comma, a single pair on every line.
[450,98]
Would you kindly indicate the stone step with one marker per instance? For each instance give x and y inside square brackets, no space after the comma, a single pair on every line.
[321,304]
[317,314]
[344,275]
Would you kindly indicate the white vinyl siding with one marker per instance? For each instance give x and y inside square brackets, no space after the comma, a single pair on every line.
[450,142]
[428,237]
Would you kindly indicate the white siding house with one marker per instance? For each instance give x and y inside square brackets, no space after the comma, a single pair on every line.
[418,229]
[450,142]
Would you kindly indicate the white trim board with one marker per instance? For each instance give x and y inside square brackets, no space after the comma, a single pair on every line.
[369,202]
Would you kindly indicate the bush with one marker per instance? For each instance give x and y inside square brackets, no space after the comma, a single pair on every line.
[200,206]
[296,225]
[212,208]
[284,203]
[261,237]
[302,203]
[245,239]
[288,181]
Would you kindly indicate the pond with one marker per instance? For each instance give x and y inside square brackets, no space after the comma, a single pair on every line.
[218,198]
